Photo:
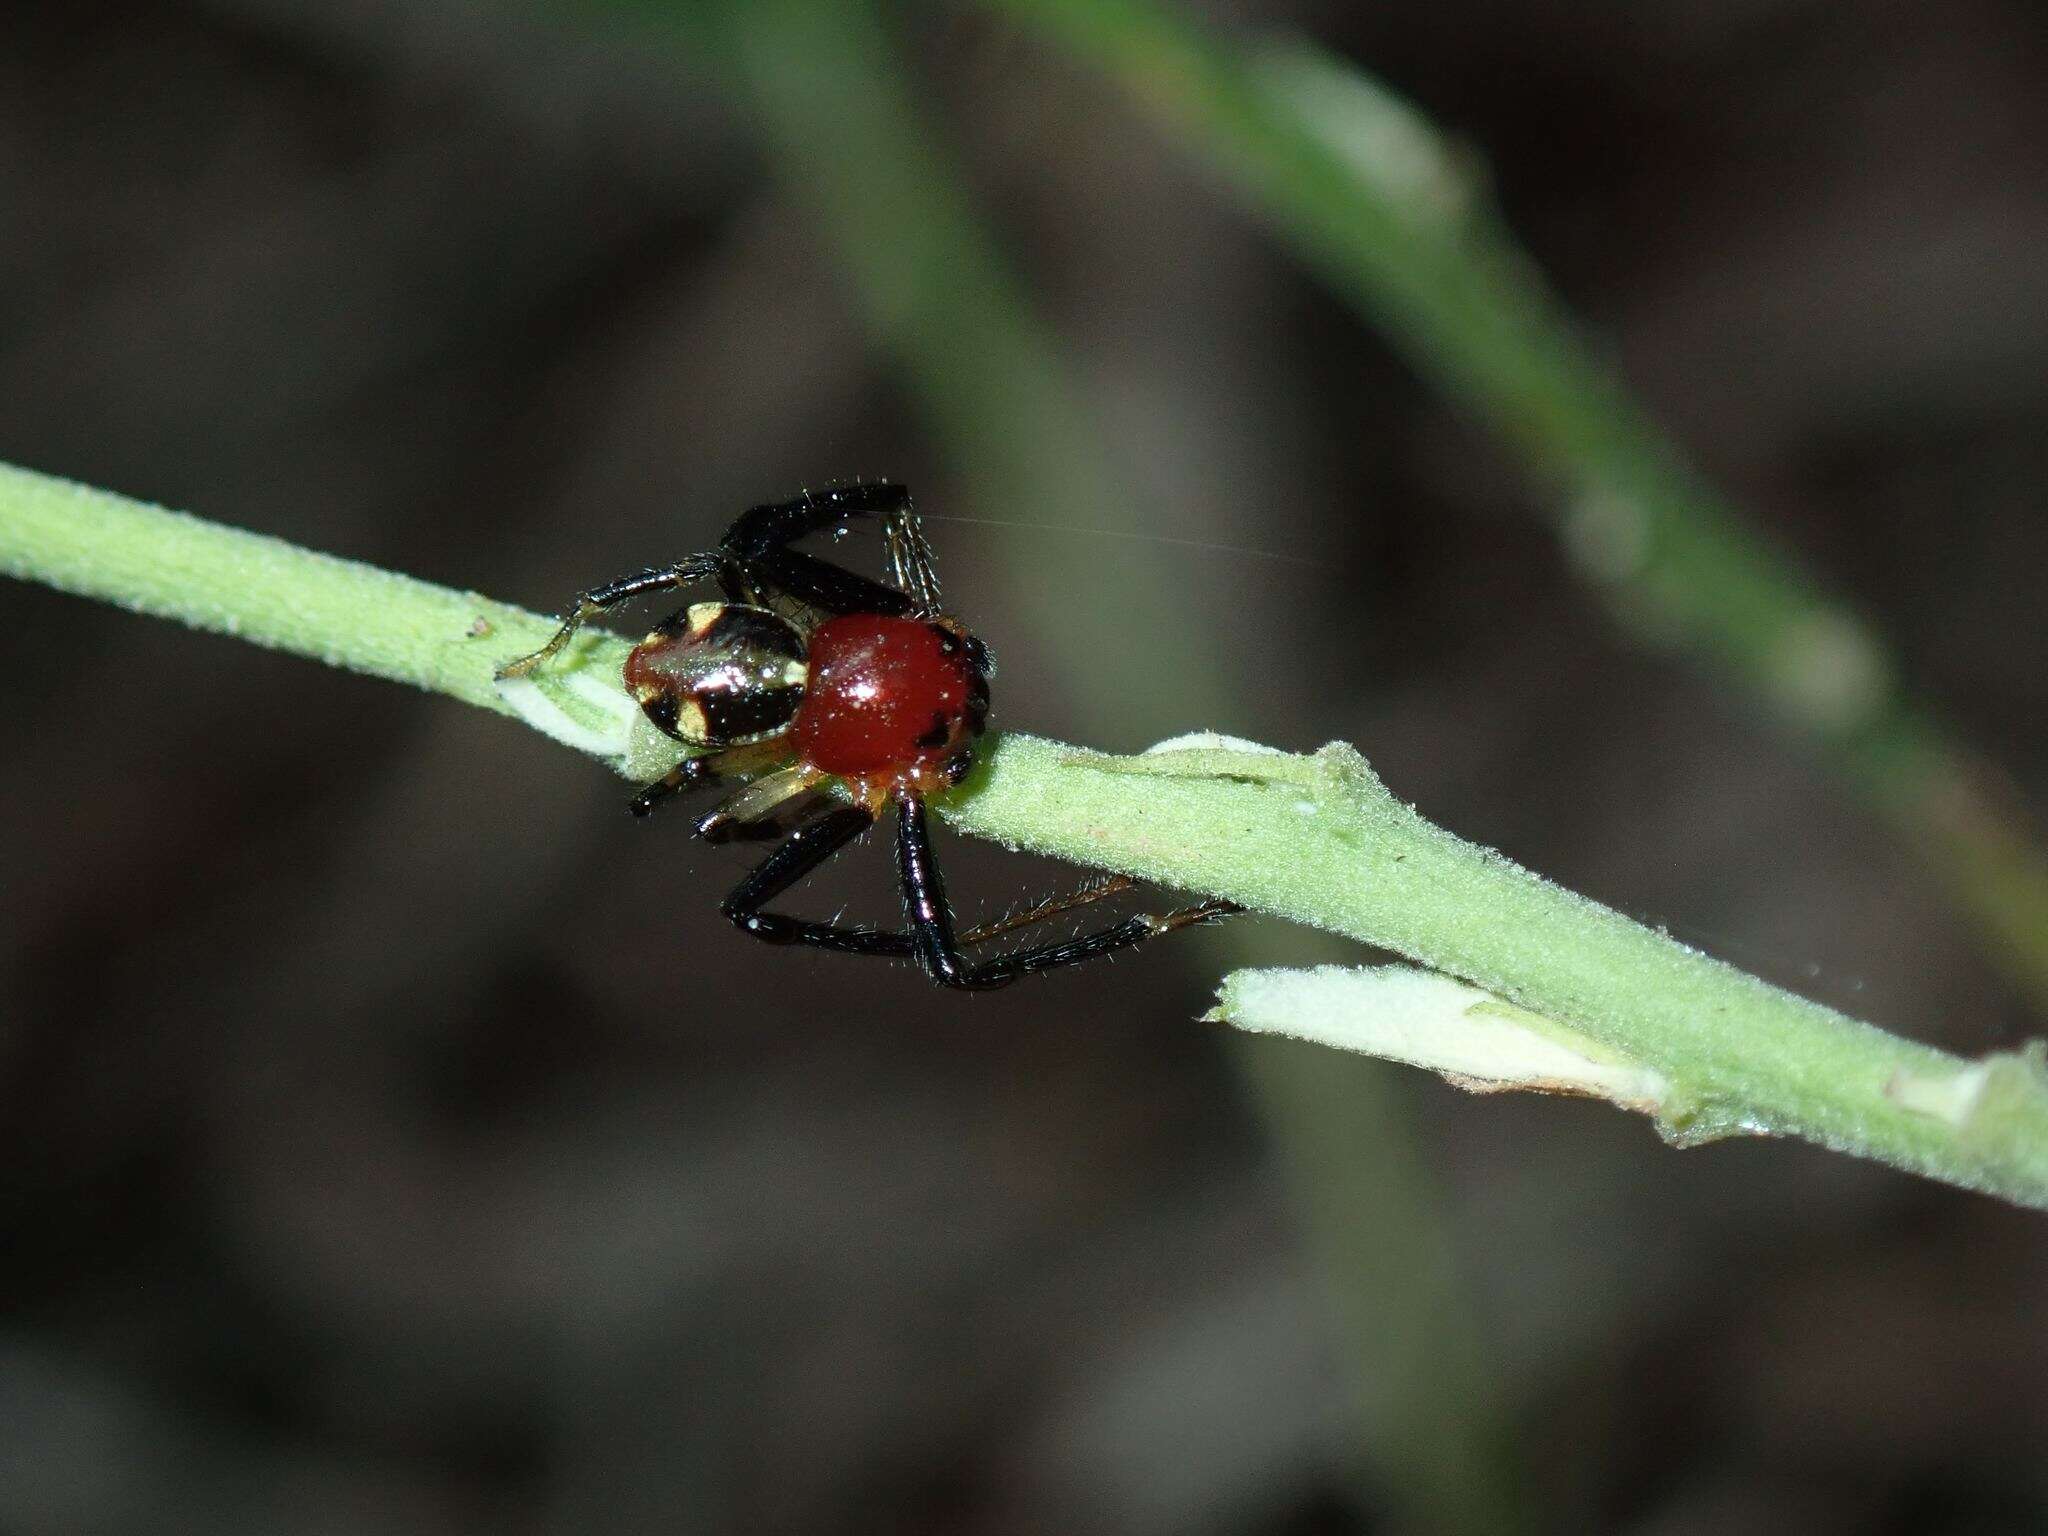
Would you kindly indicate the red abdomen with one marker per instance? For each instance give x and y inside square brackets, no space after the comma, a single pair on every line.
[887,696]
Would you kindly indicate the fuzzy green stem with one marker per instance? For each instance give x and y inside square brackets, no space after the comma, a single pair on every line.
[171,565]
[1315,839]
[1319,840]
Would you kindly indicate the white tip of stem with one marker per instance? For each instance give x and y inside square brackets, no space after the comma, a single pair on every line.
[1210,741]
[1478,1041]
[1950,1096]
[576,710]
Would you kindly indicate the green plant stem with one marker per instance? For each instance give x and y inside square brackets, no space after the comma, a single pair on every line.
[1394,217]
[1314,839]
[1355,860]
[171,565]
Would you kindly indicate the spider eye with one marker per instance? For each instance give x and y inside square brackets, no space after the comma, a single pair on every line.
[720,674]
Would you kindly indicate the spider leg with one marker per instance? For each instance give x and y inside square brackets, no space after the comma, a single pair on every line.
[1048,907]
[761,535]
[703,771]
[771,806]
[821,585]
[938,950]
[807,848]
[931,940]
[585,606]
[910,561]
[759,531]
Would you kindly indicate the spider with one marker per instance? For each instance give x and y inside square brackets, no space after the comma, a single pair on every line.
[807,673]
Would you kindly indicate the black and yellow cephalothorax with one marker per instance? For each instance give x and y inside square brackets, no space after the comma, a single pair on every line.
[720,674]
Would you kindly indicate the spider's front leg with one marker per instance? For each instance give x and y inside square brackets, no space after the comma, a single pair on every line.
[762,530]
[760,537]
[585,606]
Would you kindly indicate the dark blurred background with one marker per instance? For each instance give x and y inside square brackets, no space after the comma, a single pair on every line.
[392,1136]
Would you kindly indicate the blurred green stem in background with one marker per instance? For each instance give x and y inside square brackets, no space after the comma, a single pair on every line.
[1317,840]
[1438,1411]
[850,138]
[1396,219]
[850,143]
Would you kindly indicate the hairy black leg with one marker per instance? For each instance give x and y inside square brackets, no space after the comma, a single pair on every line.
[691,773]
[761,535]
[939,951]
[707,769]
[910,561]
[585,606]
[1056,906]
[824,586]
[1051,957]
[931,940]
[924,894]
[1046,908]
[703,771]
[761,530]
[807,848]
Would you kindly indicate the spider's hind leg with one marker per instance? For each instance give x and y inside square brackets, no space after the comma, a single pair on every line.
[806,848]
[930,939]
[939,950]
